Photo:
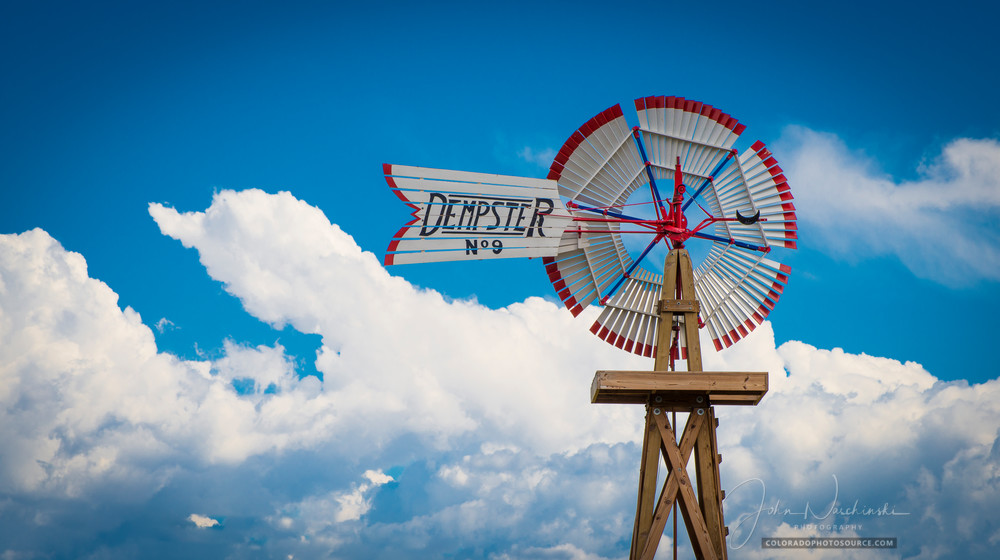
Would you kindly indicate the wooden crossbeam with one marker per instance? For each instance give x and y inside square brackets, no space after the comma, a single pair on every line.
[720,387]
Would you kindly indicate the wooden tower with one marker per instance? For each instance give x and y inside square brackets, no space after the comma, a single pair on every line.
[694,392]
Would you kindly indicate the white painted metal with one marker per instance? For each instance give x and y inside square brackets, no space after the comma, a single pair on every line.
[459,215]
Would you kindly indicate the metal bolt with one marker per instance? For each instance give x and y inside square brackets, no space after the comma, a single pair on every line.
[656,411]
[658,398]
[699,398]
[701,411]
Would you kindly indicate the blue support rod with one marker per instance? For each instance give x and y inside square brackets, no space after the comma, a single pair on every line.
[605,212]
[658,200]
[711,237]
[633,267]
[711,177]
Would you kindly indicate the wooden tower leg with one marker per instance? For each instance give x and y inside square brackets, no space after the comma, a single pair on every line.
[648,469]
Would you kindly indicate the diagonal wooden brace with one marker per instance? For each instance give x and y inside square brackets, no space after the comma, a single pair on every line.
[678,485]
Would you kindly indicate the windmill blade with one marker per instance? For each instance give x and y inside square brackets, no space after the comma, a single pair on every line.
[738,289]
[588,262]
[459,215]
[629,319]
[599,162]
[596,167]
[755,182]
[697,133]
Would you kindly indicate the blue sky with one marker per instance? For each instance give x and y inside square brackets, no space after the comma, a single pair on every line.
[133,138]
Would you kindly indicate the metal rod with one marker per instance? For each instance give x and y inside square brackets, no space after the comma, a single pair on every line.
[605,212]
[632,268]
[711,177]
[660,211]
[750,246]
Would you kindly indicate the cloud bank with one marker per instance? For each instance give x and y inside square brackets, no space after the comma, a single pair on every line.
[941,225]
[440,428]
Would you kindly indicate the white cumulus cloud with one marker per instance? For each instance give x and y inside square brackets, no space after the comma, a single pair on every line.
[940,225]
[426,435]
[202,521]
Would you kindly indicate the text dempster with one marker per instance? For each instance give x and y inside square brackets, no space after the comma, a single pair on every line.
[465,214]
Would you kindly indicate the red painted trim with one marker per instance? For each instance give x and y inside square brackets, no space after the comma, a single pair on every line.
[391,249]
[718,345]
[726,340]
[742,329]
[757,146]
[595,327]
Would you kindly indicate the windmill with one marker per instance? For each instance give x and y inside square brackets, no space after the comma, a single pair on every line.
[672,179]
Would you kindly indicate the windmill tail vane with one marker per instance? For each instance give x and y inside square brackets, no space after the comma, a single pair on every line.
[575,218]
